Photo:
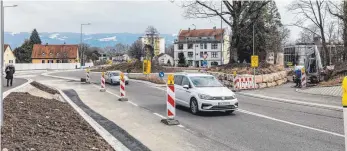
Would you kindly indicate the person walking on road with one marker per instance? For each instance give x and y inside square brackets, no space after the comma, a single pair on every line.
[298,78]
[10,70]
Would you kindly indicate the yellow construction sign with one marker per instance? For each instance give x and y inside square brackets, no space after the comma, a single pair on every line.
[170,79]
[254,61]
[122,76]
[87,69]
[303,70]
[146,66]
[344,94]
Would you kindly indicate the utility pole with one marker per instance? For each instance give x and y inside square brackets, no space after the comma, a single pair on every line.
[222,34]
[253,55]
[82,49]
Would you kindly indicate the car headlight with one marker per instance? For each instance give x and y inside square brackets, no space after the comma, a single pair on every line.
[205,97]
[230,97]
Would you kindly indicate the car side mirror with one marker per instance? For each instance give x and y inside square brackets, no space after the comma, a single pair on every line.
[186,86]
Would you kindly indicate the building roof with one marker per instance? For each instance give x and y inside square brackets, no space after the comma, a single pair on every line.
[54,51]
[6,46]
[217,33]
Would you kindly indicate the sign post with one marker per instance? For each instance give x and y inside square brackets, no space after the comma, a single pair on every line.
[344,104]
[254,64]
[161,75]
[170,102]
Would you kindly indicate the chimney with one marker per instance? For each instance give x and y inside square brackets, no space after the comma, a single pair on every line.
[188,29]
[214,27]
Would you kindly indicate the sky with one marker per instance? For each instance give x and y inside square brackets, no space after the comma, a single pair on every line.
[110,16]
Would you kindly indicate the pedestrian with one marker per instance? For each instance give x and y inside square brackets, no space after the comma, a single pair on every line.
[10,70]
[298,77]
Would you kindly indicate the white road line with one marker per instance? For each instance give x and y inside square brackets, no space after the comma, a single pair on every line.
[180,126]
[159,115]
[290,123]
[133,103]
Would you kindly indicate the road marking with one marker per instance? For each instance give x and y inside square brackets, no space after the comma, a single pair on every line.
[290,123]
[180,126]
[133,103]
[159,115]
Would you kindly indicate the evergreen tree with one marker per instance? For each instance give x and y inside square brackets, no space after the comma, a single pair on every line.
[35,38]
[169,62]
[181,60]
[23,53]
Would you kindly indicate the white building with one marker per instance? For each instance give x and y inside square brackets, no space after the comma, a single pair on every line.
[159,44]
[165,59]
[197,42]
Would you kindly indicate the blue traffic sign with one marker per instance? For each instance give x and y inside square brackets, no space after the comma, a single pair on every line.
[161,74]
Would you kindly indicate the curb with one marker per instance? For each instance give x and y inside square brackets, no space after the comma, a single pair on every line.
[297,90]
[6,93]
[323,106]
[111,140]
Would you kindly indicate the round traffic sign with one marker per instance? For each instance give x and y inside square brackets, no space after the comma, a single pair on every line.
[161,74]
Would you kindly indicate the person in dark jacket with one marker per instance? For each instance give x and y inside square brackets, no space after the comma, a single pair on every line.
[10,70]
[298,78]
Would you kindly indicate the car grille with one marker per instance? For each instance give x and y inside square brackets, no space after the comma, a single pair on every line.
[223,107]
[223,98]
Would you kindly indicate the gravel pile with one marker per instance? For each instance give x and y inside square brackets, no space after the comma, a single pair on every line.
[36,123]
[44,88]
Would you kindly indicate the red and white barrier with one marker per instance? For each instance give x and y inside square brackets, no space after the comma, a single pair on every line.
[170,104]
[244,82]
[87,76]
[122,88]
[103,86]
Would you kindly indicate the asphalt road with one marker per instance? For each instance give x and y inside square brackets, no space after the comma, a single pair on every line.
[260,125]
[16,82]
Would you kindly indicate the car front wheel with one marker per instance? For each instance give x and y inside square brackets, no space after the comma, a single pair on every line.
[229,112]
[194,107]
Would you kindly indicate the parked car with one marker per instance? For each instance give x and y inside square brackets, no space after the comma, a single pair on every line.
[113,77]
[203,93]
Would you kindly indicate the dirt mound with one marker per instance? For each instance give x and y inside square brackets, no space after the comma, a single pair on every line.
[36,123]
[134,67]
[242,68]
[44,88]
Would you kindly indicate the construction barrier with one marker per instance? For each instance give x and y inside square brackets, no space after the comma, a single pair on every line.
[170,102]
[243,82]
[103,86]
[87,76]
[344,105]
[303,78]
[122,88]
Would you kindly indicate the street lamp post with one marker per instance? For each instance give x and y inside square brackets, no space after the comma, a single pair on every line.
[82,51]
[2,7]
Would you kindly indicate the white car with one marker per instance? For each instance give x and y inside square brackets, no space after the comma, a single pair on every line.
[203,93]
[113,77]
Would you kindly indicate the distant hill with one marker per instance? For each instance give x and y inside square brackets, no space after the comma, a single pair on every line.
[96,40]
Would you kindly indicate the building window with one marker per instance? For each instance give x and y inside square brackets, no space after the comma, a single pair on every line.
[10,61]
[214,46]
[214,63]
[214,54]
[190,54]
[190,62]
[190,46]
[43,61]
[180,46]
[50,54]
[201,54]
[201,46]
[43,54]
[205,45]
[58,61]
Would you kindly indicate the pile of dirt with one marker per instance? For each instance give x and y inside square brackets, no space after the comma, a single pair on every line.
[44,88]
[242,68]
[134,67]
[36,123]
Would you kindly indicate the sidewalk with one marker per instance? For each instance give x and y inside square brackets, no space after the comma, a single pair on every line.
[134,120]
[328,91]
[287,91]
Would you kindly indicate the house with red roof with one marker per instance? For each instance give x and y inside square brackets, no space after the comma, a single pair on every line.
[55,53]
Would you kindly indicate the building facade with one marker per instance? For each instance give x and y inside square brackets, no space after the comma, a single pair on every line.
[55,53]
[165,59]
[197,44]
[9,57]
[159,43]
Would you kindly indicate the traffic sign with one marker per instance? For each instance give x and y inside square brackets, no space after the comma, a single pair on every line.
[146,66]
[204,63]
[234,73]
[344,94]
[170,79]
[302,70]
[254,61]
[122,76]
[161,74]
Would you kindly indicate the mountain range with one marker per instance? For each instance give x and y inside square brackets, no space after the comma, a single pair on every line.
[95,40]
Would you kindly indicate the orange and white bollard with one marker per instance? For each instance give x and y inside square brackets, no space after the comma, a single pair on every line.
[303,78]
[87,76]
[103,85]
[170,104]
[122,88]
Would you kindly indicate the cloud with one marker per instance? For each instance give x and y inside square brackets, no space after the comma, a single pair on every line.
[108,39]
[53,36]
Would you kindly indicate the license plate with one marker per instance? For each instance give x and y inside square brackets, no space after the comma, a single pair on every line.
[223,103]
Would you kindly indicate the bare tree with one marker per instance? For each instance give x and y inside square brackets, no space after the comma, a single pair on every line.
[307,34]
[233,13]
[339,10]
[135,50]
[314,12]
[152,34]
[284,36]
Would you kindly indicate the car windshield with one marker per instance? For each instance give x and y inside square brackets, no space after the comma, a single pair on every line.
[114,74]
[205,81]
